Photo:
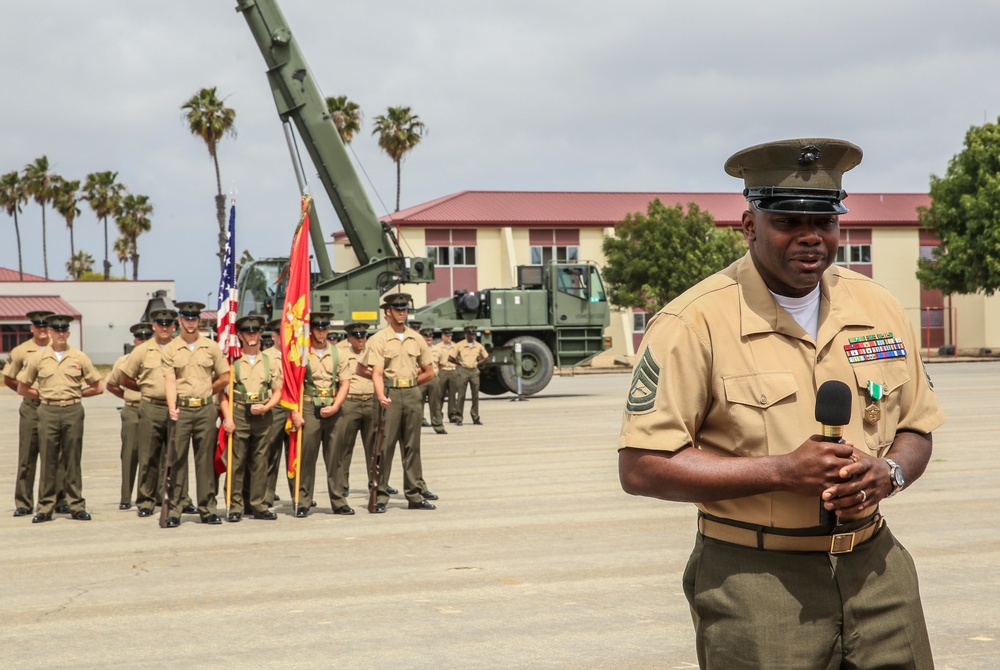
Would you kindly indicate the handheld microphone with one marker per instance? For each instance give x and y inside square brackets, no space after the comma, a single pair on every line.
[833,412]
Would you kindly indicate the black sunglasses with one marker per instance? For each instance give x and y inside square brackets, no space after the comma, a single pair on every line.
[250,329]
[59,329]
[144,335]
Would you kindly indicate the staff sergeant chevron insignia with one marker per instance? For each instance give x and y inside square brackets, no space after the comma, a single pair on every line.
[645,379]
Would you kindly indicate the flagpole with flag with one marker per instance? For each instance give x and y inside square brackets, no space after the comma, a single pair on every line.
[230,344]
[295,340]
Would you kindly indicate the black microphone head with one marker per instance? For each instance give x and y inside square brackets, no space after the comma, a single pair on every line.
[833,403]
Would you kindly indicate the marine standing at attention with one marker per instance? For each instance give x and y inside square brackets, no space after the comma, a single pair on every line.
[469,356]
[129,416]
[277,436]
[448,373]
[64,375]
[194,371]
[722,412]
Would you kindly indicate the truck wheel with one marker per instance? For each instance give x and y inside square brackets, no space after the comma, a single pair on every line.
[537,366]
[490,384]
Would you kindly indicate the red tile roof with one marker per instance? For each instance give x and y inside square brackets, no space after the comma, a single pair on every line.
[16,307]
[592,209]
[6,274]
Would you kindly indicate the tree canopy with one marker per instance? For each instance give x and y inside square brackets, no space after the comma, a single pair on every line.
[654,257]
[398,130]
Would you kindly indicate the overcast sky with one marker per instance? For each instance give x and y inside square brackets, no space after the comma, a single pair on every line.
[571,95]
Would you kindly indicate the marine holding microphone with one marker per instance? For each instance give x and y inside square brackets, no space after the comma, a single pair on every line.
[722,412]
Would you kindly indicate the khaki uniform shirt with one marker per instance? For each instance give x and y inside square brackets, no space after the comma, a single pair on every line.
[59,379]
[195,369]
[402,359]
[443,352]
[321,367]
[145,366]
[254,376]
[723,368]
[19,356]
[115,379]
[348,364]
[469,355]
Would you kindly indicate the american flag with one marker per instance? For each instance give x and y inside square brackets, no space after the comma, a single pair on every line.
[228,302]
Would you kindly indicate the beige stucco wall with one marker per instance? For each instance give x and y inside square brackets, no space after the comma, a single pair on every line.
[894,255]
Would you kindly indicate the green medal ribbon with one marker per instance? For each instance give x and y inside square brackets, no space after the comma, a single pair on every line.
[874,390]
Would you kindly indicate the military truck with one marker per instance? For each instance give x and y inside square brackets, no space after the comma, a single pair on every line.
[555,316]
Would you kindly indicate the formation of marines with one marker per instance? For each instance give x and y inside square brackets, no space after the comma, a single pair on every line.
[176,382]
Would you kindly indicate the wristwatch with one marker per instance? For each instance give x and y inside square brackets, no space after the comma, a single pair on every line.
[895,477]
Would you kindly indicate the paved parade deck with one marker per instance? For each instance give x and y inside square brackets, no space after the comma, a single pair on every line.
[535,558]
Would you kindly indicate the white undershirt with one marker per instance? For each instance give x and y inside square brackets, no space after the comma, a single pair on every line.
[59,355]
[804,310]
[401,336]
[251,357]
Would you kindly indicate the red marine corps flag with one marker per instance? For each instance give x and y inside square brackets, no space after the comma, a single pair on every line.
[226,329]
[295,336]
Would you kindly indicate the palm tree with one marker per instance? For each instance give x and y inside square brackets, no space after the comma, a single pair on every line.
[398,132]
[12,196]
[64,200]
[209,118]
[132,218]
[79,263]
[123,250]
[103,193]
[38,185]
[346,116]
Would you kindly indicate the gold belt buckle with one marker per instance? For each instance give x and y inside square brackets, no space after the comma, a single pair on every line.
[842,543]
[323,393]
[252,397]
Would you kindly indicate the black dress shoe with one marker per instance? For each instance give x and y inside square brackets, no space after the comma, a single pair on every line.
[173,522]
[81,515]
[276,499]
[391,491]
[440,430]
[124,505]
[458,423]
[423,504]
[22,511]
[427,495]
[477,422]
[212,519]
[312,504]
[234,517]
[380,508]
[266,515]
[346,492]
[143,511]
[343,510]
[40,517]
[302,512]
[62,509]
[425,424]
[189,509]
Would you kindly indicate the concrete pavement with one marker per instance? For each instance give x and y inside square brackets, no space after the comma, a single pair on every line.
[535,558]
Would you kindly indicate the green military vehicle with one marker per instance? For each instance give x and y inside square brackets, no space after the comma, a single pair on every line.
[555,316]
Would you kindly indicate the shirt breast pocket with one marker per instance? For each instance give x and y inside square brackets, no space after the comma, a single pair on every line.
[761,412]
[892,375]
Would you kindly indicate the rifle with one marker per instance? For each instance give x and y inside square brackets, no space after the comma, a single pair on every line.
[167,471]
[376,468]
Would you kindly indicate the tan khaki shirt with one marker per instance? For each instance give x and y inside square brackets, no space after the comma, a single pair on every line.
[723,368]
[402,359]
[321,367]
[145,366]
[115,379]
[469,354]
[258,377]
[19,356]
[59,379]
[195,369]
[443,352]
[348,364]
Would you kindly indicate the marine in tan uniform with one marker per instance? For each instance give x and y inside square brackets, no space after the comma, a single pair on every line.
[256,390]
[469,356]
[277,436]
[432,389]
[321,401]
[143,372]
[27,445]
[447,373]
[194,371]
[129,416]
[399,361]
[721,413]
[65,375]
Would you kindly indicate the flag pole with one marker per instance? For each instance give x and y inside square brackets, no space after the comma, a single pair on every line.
[298,445]
[229,448]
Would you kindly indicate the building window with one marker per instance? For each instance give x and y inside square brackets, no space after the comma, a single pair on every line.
[927,252]
[453,256]
[12,335]
[639,321]
[563,254]
[854,254]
